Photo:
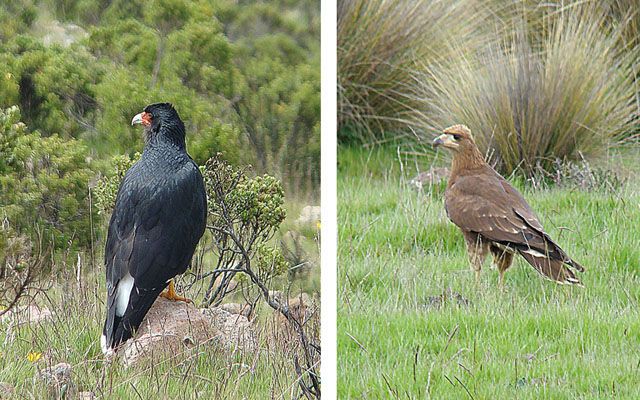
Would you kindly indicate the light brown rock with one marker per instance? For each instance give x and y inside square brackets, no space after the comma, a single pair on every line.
[433,176]
[301,308]
[237,308]
[172,327]
[58,380]
[86,396]
[30,314]
[6,390]
[235,332]
[309,214]
[169,327]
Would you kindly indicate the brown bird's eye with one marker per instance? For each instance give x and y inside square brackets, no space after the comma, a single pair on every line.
[456,137]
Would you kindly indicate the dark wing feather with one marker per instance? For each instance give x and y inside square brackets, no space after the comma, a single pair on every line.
[479,203]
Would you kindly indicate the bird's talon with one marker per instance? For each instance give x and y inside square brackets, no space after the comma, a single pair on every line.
[172,295]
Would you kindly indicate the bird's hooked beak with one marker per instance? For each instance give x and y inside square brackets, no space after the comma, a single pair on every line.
[444,140]
[143,118]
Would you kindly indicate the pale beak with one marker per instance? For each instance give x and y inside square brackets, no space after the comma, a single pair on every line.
[444,140]
[437,142]
[137,119]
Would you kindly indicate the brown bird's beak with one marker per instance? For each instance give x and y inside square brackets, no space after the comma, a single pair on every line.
[444,140]
[143,118]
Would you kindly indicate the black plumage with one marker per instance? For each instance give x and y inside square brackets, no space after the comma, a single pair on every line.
[158,219]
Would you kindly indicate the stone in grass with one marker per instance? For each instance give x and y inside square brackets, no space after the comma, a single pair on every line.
[172,327]
[309,214]
[447,296]
[236,308]
[433,176]
[6,390]
[58,380]
[301,307]
[235,331]
[30,314]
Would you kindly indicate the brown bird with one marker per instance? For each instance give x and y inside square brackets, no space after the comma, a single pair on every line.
[494,217]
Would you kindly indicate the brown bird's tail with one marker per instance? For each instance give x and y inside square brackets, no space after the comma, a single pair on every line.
[552,269]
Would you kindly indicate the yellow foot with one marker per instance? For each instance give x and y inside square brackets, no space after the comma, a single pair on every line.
[171,294]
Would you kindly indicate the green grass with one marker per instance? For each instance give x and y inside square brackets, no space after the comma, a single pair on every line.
[397,250]
[73,337]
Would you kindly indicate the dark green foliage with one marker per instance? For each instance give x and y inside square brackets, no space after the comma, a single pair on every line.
[244,214]
[44,184]
[16,17]
[258,201]
[107,188]
[269,261]
[53,86]
[244,77]
[254,206]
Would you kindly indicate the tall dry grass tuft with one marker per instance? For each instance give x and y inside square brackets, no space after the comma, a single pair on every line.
[380,45]
[530,103]
[624,14]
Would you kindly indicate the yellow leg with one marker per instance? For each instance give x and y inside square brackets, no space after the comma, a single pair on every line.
[171,294]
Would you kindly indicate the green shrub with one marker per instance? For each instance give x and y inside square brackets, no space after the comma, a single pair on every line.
[244,77]
[43,184]
[106,190]
[528,107]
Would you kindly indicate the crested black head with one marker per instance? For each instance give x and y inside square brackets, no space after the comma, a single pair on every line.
[161,124]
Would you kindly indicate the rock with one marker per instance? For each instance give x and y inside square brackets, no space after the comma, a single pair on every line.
[58,380]
[447,296]
[309,214]
[64,34]
[86,396]
[6,390]
[431,177]
[59,373]
[241,309]
[235,332]
[277,295]
[31,314]
[169,326]
[302,308]
[173,327]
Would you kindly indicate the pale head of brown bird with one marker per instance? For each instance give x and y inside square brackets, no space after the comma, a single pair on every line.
[456,138]
[459,140]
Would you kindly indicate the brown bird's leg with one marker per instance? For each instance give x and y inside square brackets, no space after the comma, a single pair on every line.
[502,259]
[477,252]
[171,294]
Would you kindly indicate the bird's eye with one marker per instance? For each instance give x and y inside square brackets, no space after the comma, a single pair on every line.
[456,137]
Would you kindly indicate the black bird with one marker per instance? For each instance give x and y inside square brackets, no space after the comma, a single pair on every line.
[158,219]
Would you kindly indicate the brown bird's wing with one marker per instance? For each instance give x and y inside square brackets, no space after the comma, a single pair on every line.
[487,204]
